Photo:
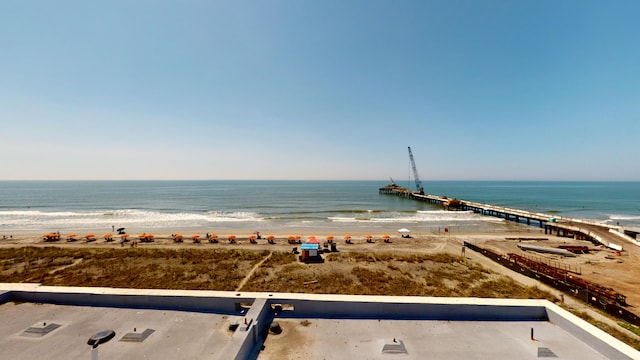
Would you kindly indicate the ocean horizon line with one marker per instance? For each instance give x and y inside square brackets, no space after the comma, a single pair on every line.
[323,180]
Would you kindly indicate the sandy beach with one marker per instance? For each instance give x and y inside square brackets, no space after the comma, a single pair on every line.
[602,265]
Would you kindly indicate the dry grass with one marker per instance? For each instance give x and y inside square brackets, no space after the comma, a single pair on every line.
[210,269]
[390,274]
[217,269]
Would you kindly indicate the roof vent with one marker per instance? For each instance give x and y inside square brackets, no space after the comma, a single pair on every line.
[136,336]
[40,329]
[544,352]
[397,347]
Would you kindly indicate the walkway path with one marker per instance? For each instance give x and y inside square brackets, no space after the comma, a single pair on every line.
[253,270]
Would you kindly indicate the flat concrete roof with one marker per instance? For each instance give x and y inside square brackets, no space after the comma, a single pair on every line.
[422,339]
[56,323]
[165,334]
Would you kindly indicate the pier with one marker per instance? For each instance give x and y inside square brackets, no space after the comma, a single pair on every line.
[607,235]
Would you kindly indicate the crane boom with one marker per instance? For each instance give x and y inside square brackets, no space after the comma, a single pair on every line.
[415,173]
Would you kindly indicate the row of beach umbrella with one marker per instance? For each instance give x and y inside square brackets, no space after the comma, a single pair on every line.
[211,237]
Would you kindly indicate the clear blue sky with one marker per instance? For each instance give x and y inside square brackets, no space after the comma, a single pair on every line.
[153,89]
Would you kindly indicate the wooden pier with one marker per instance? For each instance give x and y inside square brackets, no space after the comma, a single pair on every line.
[560,226]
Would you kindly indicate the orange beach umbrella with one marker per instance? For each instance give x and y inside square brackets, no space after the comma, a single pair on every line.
[270,237]
[346,237]
[124,236]
[385,236]
[330,237]
[231,237]
[369,236]
[196,236]
[213,236]
[73,235]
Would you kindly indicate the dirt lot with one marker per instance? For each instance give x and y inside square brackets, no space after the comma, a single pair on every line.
[601,265]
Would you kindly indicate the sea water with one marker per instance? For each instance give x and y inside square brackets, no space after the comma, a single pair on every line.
[295,207]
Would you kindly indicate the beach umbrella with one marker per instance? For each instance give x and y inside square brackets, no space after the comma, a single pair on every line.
[213,236]
[124,236]
[297,237]
[73,235]
[291,237]
[404,230]
[330,237]
[119,229]
[313,240]
[385,236]
[369,236]
[252,237]
[347,237]
[195,237]
[108,236]
[270,237]
[231,237]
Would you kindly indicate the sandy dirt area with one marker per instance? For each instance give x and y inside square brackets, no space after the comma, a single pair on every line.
[600,265]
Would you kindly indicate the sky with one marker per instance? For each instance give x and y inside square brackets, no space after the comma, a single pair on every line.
[331,89]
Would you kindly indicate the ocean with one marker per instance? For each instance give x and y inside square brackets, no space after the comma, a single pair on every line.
[295,207]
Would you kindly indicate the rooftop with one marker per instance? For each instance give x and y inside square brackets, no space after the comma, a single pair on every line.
[56,323]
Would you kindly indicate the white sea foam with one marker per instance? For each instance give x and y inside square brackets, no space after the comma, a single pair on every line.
[37,220]
[624,217]
[220,216]
[437,216]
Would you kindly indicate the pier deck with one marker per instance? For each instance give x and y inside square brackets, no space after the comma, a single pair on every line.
[607,235]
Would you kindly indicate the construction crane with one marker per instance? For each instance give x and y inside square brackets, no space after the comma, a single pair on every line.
[415,174]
